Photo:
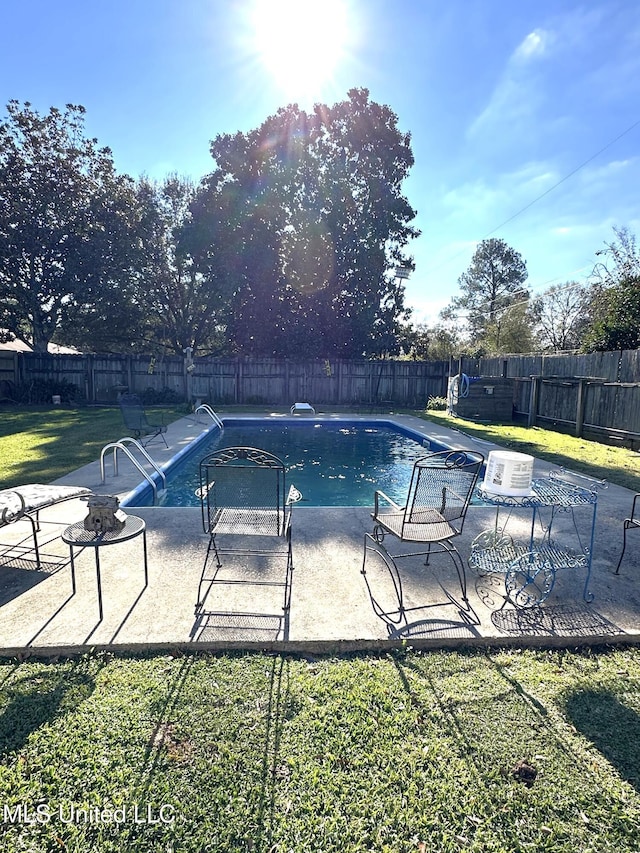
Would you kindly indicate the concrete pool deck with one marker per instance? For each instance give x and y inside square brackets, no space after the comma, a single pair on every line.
[331,601]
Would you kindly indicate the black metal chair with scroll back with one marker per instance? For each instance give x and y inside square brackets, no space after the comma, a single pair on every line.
[440,491]
[135,419]
[243,498]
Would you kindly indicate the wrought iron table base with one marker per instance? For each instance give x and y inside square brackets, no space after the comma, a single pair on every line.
[76,536]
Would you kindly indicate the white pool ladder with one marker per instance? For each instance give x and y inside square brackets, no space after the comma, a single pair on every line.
[203,407]
[121,444]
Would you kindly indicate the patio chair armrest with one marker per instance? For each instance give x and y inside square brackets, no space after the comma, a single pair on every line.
[449,490]
[202,491]
[379,495]
[11,513]
[635,518]
[293,496]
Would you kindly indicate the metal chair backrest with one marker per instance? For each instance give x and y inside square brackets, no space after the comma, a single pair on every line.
[133,412]
[443,482]
[246,479]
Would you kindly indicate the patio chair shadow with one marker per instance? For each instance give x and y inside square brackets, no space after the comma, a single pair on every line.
[437,629]
[277,709]
[212,626]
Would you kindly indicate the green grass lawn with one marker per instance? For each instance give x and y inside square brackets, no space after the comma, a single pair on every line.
[615,464]
[38,444]
[492,751]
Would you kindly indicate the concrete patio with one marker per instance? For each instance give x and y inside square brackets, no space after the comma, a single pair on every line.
[331,600]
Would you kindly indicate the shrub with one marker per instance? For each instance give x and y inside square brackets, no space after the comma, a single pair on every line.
[42,390]
[437,404]
[166,396]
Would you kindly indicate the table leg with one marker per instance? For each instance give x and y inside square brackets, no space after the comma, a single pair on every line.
[73,570]
[98,578]
[144,550]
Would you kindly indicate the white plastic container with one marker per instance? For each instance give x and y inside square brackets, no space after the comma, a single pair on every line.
[508,473]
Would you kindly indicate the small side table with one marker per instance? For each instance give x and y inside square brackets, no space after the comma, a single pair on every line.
[76,536]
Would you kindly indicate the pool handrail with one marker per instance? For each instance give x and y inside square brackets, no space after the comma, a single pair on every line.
[121,444]
[204,407]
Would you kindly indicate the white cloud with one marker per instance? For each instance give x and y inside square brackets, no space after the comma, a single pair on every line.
[485,205]
[517,94]
[533,45]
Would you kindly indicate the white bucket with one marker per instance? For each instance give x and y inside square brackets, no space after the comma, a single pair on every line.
[508,473]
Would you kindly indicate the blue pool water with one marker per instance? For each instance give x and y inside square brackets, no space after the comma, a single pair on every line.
[338,463]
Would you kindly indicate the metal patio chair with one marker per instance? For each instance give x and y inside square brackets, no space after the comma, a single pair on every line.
[244,500]
[24,503]
[629,523]
[135,419]
[440,491]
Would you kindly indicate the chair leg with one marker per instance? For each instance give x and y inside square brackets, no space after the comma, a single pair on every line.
[462,575]
[391,617]
[289,577]
[35,526]
[212,545]
[624,546]
[204,580]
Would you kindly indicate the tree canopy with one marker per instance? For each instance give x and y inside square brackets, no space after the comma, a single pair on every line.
[494,299]
[289,247]
[615,298]
[617,321]
[66,241]
[562,314]
[304,219]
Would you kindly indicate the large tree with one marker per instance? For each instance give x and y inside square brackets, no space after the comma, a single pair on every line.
[305,221]
[492,292]
[184,308]
[616,324]
[67,244]
[619,260]
[615,296]
[562,315]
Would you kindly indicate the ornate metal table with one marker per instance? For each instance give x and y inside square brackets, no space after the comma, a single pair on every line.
[529,566]
[76,536]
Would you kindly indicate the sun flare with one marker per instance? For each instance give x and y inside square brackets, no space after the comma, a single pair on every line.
[300,43]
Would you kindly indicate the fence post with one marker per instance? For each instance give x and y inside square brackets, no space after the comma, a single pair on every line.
[129,362]
[89,379]
[534,396]
[239,394]
[580,407]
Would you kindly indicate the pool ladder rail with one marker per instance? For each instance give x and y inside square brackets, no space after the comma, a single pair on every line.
[121,444]
[203,407]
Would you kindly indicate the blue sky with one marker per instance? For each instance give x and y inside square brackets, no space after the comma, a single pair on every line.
[504,99]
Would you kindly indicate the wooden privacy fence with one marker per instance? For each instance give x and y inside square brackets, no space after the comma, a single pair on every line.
[594,393]
[225,381]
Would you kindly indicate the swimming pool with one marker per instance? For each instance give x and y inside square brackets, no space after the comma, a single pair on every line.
[333,463]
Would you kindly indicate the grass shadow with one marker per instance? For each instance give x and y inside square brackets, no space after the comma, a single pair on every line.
[32,700]
[611,726]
